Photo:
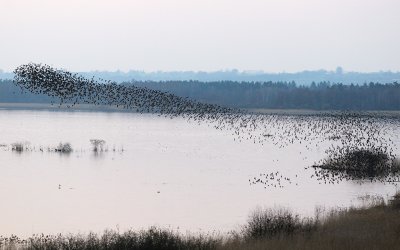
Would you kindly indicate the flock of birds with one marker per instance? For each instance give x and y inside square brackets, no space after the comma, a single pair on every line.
[273,179]
[72,89]
[359,165]
[346,132]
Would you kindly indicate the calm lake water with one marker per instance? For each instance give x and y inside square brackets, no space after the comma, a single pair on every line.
[164,172]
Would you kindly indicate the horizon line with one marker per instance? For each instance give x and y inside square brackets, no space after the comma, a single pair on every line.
[338,70]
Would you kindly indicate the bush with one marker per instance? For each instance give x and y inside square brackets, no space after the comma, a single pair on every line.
[64,148]
[18,146]
[268,223]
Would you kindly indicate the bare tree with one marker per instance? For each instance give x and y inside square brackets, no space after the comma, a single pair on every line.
[97,144]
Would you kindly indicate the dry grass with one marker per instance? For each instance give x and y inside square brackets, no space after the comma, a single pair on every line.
[375,227]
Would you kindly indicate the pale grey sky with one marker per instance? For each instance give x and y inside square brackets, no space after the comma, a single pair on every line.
[269,35]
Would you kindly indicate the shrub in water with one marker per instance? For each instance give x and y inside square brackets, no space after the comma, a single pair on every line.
[18,147]
[64,148]
[97,144]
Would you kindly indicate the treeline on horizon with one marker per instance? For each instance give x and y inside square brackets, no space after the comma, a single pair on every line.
[257,95]
[302,78]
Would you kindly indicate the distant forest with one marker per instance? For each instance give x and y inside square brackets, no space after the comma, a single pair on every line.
[301,78]
[269,95]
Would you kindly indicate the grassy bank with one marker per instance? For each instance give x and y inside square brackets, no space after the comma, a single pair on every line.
[373,227]
[376,226]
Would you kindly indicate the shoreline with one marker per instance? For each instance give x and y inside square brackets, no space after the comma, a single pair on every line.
[63,108]
[114,109]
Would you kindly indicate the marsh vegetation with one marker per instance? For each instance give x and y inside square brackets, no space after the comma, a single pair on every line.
[98,146]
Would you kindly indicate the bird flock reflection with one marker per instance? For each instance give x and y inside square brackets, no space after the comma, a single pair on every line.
[356,139]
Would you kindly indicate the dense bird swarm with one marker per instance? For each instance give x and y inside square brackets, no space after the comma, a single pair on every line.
[74,89]
[348,133]
[373,164]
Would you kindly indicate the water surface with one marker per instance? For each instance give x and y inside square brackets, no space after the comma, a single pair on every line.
[164,172]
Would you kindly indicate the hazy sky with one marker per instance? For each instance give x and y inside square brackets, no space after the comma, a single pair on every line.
[269,35]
